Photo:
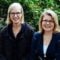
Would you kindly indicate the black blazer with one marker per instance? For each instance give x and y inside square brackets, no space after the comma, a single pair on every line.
[15,48]
[53,51]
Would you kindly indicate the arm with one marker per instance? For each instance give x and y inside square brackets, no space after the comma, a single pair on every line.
[58,50]
[58,47]
[1,48]
[33,51]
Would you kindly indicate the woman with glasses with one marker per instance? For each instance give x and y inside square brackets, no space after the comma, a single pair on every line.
[16,37]
[46,42]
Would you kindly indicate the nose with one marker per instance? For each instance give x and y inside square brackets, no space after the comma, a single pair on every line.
[47,22]
[15,15]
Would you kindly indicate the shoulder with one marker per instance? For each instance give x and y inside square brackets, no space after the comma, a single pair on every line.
[4,30]
[57,34]
[36,38]
[57,37]
[28,27]
[37,34]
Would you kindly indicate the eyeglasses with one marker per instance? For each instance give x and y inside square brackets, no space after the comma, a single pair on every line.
[50,21]
[13,13]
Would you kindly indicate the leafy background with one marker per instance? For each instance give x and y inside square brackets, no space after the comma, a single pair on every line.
[32,10]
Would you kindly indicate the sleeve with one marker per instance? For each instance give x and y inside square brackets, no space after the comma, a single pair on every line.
[58,48]
[33,51]
[1,48]
[58,51]
[28,35]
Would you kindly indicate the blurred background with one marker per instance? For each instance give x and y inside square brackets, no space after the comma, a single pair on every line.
[32,10]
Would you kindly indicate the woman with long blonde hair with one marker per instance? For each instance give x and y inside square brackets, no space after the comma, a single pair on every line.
[16,36]
[45,43]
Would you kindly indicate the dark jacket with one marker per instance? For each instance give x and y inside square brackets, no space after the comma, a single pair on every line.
[53,51]
[18,48]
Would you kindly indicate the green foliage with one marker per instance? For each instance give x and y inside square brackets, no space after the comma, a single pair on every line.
[33,8]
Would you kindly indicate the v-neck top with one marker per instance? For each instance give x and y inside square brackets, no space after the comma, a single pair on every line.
[37,46]
[45,47]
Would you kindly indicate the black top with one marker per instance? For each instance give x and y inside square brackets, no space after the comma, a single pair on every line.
[53,50]
[12,48]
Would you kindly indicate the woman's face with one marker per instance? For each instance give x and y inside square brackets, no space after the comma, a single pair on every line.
[47,23]
[16,15]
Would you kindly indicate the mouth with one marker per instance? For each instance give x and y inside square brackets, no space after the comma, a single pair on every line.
[15,19]
[48,26]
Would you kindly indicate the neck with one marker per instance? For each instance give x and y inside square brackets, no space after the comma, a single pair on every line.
[16,29]
[16,25]
[48,33]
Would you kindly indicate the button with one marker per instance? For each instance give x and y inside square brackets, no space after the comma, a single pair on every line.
[39,58]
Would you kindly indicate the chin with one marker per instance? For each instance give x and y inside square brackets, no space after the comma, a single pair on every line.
[48,30]
[16,21]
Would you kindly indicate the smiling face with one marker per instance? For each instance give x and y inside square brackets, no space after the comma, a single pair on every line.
[47,23]
[16,15]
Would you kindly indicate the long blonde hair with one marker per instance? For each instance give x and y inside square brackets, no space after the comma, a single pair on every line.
[55,18]
[8,21]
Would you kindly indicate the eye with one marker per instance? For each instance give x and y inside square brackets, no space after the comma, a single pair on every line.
[47,20]
[13,13]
